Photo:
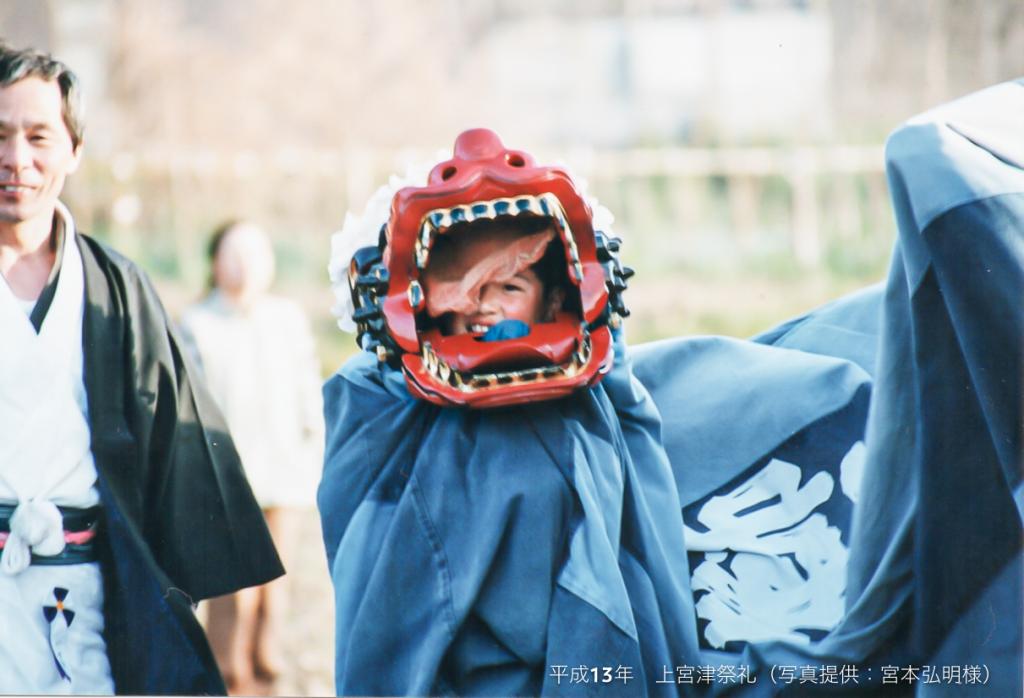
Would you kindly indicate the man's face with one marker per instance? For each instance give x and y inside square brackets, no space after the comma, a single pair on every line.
[36,153]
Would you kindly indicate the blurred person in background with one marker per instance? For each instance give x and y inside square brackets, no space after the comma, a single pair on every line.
[122,499]
[258,356]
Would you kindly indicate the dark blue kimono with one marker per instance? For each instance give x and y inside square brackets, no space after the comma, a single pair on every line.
[937,549]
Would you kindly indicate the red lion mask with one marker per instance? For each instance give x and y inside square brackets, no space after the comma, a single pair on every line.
[484,180]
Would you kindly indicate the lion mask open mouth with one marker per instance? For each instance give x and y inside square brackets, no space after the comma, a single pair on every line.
[486,182]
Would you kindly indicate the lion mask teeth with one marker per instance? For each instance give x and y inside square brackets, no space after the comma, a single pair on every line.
[438,221]
[436,367]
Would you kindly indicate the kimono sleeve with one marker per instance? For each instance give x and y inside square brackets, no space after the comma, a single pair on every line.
[200,519]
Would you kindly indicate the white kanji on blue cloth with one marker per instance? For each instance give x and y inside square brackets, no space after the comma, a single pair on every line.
[769,551]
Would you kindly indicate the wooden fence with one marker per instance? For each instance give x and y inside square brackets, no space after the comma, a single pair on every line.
[670,203]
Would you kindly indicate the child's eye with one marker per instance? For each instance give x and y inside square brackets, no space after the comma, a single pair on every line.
[512,288]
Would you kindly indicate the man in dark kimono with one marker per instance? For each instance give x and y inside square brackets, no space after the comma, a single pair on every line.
[122,501]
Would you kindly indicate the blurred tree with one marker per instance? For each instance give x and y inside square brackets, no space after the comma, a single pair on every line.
[894,58]
[27,23]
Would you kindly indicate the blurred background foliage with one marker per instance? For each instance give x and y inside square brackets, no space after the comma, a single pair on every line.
[739,143]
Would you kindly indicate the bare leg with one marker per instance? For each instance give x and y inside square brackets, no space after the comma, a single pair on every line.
[231,628]
[247,612]
[220,629]
[283,524]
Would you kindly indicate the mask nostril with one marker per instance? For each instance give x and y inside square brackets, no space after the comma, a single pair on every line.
[448,172]
[515,160]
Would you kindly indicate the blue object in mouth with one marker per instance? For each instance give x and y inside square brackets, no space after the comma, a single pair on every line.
[506,329]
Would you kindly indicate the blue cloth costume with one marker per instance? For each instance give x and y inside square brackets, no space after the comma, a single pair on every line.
[843,491]
[934,577]
[480,552]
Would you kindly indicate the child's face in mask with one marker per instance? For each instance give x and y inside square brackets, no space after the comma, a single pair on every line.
[476,280]
[520,298]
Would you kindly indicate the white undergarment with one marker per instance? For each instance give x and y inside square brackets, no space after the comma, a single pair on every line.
[51,616]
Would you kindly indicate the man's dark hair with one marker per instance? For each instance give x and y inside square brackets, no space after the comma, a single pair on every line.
[18,64]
